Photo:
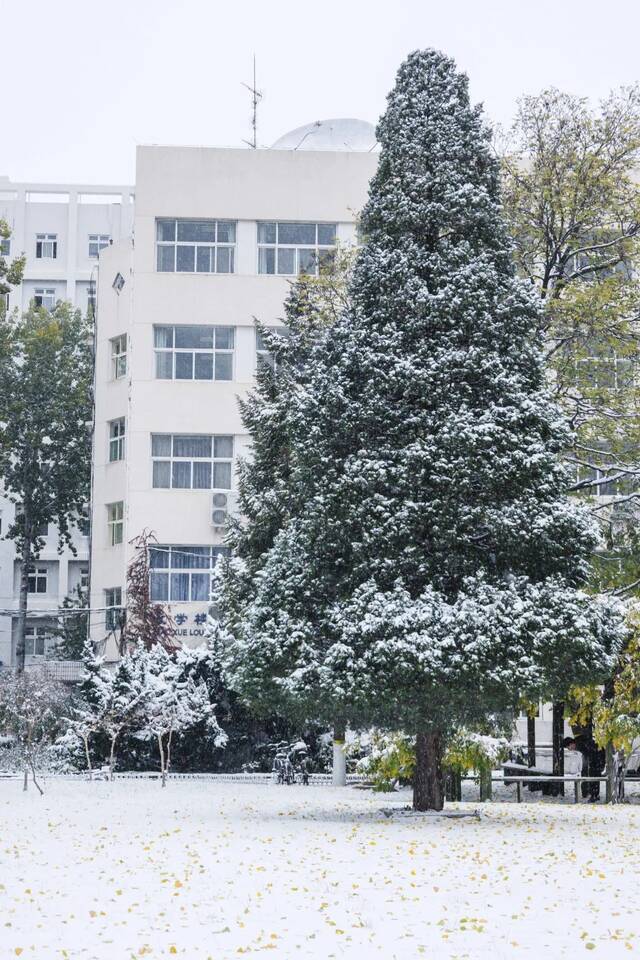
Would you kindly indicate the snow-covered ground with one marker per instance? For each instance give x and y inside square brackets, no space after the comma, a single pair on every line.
[216,870]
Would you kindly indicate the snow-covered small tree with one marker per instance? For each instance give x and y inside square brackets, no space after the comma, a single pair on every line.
[125,701]
[88,707]
[31,708]
[429,572]
[174,702]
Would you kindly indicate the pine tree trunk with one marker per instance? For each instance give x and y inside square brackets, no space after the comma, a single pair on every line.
[167,762]
[557,736]
[339,768]
[531,741]
[162,766]
[25,565]
[85,740]
[112,756]
[610,773]
[428,779]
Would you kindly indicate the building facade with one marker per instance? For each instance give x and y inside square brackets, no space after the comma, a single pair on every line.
[219,236]
[61,229]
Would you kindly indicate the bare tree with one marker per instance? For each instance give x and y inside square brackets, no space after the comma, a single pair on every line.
[147,623]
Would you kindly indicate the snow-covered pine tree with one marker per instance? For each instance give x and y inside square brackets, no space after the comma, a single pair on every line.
[88,706]
[265,491]
[431,570]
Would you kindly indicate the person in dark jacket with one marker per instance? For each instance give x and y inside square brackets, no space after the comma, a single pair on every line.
[594,765]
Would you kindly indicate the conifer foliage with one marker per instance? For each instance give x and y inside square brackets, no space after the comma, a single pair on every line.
[429,567]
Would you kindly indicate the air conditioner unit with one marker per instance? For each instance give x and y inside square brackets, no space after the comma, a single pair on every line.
[222,504]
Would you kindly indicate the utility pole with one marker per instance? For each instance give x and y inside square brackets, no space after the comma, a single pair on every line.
[256,97]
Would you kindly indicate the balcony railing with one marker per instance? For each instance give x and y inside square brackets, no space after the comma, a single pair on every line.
[67,671]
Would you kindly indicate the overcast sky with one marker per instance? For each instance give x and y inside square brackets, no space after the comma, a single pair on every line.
[84,82]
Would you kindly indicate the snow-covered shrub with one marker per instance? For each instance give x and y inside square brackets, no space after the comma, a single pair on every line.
[391,760]
[479,752]
[31,707]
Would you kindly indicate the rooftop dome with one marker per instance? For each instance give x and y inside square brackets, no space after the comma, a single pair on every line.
[355,136]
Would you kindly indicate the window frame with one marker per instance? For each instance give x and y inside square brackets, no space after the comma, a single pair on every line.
[115,523]
[118,358]
[213,246]
[113,607]
[174,352]
[38,577]
[117,439]
[46,296]
[190,459]
[99,241]
[43,242]
[171,570]
[34,633]
[623,371]
[317,247]
[5,246]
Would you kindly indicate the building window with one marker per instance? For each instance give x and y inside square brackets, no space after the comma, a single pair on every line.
[119,357]
[194,353]
[195,246]
[113,614]
[116,440]
[605,373]
[97,242]
[289,249]
[185,462]
[91,299]
[84,578]
[36,641]
[262,353]
[182,574]
[45,297]
[46,246]
[115,522]
[38,579]
[5,246]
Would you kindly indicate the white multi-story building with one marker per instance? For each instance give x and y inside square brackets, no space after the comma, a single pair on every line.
[219,236]
[61,230]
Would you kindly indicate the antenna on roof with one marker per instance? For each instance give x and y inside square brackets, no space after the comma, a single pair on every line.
[256,97]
